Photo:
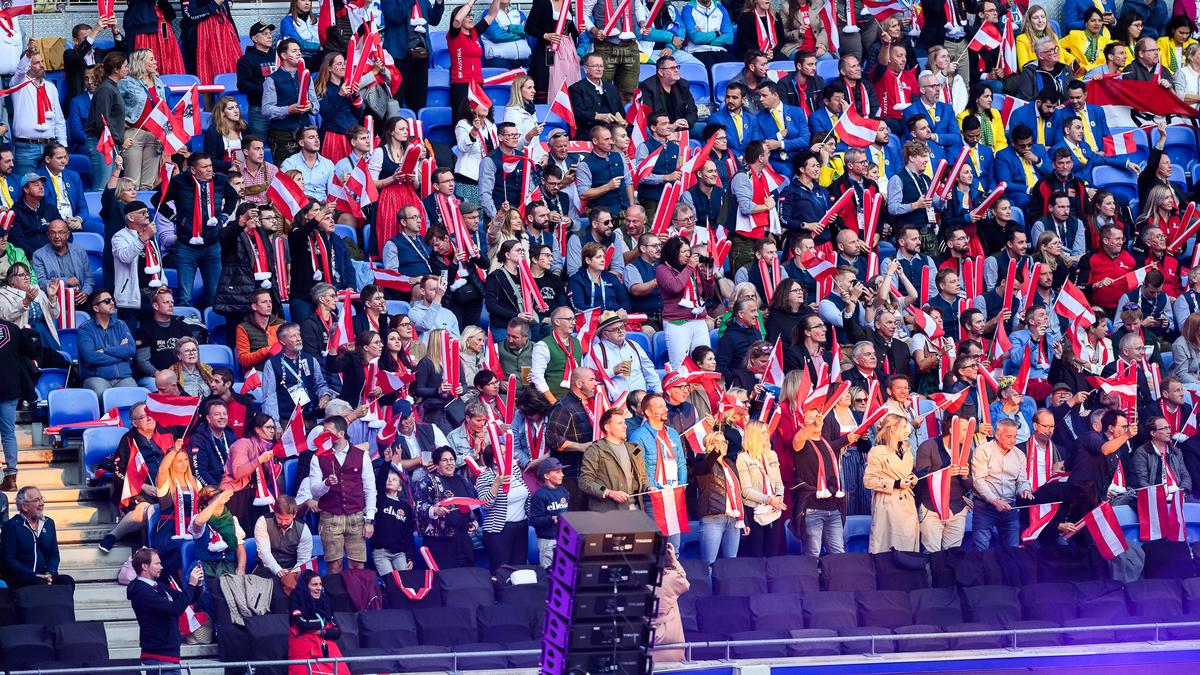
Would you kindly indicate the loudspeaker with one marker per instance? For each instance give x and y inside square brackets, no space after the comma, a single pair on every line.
[600,599]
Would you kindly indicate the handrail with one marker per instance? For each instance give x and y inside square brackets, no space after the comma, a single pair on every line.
[728,645]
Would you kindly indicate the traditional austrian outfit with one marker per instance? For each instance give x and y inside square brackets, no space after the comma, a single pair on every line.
[210,29]
[392,199]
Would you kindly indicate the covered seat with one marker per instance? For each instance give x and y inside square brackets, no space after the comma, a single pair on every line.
[992,604]
[46,605]
[25,645]
[759,651]
[1101,600]
[444,626]
[777,611]
[830,609]
[467,662]
[866,645]
[848,572]
[1167,560]
[824,648]
[82,644]
[927,644]
[887,609]
[1055,602]
[1155,598]
[723,615]
[387,629]
[974,641]
[1037,639]
[741,585]
[506,623]
[938,606]
[900,571]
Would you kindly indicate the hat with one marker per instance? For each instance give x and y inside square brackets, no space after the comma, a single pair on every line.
[135,206]
[468,207]
[546,465]
[675,378]
[609,318]
[259,27]
[403,408]
[1061,386]
[30,178]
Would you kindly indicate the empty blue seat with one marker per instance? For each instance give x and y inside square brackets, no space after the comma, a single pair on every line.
[152,524]
[99,443]
[81,165]
[186,312]
[89,241]
[697,77]
[251,547]
[397,307]
[856,534]
[1178,177]
[658,346]
[68,341]
[440,51]
[827,70]
[218,355]
[51,379]
[73,405]
[59,78]
[226,80]
[123,398]
[1127,517]
[438,125]
[346,231]
[722,73]
[1120,182]
[216,326]
[289,475]
[93,199]
[439,89]
[499,93]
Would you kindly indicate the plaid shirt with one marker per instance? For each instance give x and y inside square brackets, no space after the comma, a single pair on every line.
[568,421]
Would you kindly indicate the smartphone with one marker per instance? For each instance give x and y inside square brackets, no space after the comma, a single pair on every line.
[444,277]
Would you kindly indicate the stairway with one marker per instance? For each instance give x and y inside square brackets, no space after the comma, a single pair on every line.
[82,515]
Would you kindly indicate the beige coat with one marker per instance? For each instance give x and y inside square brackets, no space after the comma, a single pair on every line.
[13,310]
[894,521]
[668,625]
[754,492]
[791,28]
[600,470]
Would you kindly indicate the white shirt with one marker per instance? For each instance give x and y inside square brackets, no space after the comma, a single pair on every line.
[315,488]
[263,541]
[24,121]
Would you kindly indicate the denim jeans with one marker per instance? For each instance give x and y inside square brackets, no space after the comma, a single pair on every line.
[156,667]
[256,122]
[719,538]
[101,171]
[189,259]
[823,528]
[985,516]
[8,434]
[27,157]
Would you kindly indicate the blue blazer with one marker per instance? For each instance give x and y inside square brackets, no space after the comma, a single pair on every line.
[77,114]
[1092,160]
[943,123]
[74,186]
[750,133]
[583,294]
[1096,120]
[891,160]
[1027,115]
[1007,169]
[819,122]
[983,172]
[1073,11]
[795,135]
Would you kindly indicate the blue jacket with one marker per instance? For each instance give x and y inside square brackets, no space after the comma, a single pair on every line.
[819,122]
[698,37]
[645,436]
[891,160]
[545,504]
[287,29]
[74,187]
[208,455]
[984,169]
[1007,169]
[1025,410]
[799,205]
[77,114]
[116,361]
[795,135]
[583,294]
[1020,340]
[338,114]
[396,14]
[1096,120]
[1073,11]
[1027,115]
[1154,20]
[943,123]
[750,133]
[24,555]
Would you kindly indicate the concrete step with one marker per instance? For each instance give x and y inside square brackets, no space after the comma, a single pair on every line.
[66,514]
[93,574]
[70,494]
[57,475]
[82,534]
[205,653]
[103,602]
[41,457]
[83,557]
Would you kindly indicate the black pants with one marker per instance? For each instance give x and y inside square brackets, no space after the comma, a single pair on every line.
[763,540]
[509,546]
[709,59]
[59,580]
[232,321]
[283,144]
[414,88]
[448,552]
[458,94]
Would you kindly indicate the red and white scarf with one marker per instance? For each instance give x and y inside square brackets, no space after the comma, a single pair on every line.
[568,361]
[265,487]
[320,258]
[734,507]
[414,593]
[279,245]
[535,434]
[768,39]
[823,491]
[198,219]
[44,105]
[691,297]
[771,275]
[153,266]
[184,511]
[215,543]
[262,267]
[665,453]
[65,297]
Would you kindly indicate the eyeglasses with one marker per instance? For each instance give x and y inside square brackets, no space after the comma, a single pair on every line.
[858,400]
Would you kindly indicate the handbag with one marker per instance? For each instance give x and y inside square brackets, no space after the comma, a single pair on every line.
[456,411]
[765,514]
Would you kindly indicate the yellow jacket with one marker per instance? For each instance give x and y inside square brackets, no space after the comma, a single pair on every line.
[1075,46]
[1166,52]
[999,142]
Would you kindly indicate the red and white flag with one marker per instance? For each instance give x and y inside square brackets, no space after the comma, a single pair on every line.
[171,411]
[1160,516]
[1040,516]
[561,105]
[939,492]
[106,146]
[1105,529]
[478,97]
[112,418]
[66,305]
[670,510]
[1074,305]
[186,114]
[136,474]
[286,195]
[1124,143]
[155,118]
[694,437]
[191,620]
[817,267]
[587,323]
[924,322]
[1136,278]
[15,8]
[293,441]
[253,381]
[988,37]
[855,130]
[392,280]
[774,373]
[343,332]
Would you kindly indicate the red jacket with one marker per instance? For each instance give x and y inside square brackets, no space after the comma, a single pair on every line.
[1100,266]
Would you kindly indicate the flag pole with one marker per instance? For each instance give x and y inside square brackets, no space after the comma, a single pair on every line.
[1029,506]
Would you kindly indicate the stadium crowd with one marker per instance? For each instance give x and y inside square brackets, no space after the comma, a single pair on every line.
[903,290]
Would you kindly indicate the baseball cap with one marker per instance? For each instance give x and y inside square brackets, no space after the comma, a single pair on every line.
[31,178]
[404,408]
[260,26]
[546,465]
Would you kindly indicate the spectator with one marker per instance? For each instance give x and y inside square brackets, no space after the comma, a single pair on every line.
[1101,272]
[709,31]
[624,364]
[251,474]
[722,512]
[933,456]
[314,628]
[223,138]
[999,478]
[762,492]
[158,607]
[222,538]
[65,189]
[318,256]
[1160,461]
[506,497]
[25,305]
[392,543]
[604,182]
[141,87]
[159,334]
[670,94]
[283,545]
[34,126]
[108,104]
[292,378]
[200,193]
[257,173]
[144,437]
[612,470]
[240,406]
[300,24]
[546,505]
[595,98]
[342,488]
[470,438]
[210,442]
[415,443]
[195,377]
[427,311]
[247,265]
[257,336]
[446,530]
[465,283]
[662,448]
[64,260]
[890,476]
[315,170]
[406,252]
[280,102]
[33,214]
[29,544]
[593,286]
[106,347]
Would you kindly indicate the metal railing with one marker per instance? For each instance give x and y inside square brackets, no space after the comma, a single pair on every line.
[728,645]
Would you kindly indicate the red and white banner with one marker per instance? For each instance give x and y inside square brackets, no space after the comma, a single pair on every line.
[286,195]
[939,492]
[924,322]
[1105,529]
[293,441]
[986,38]
[670,510]
[1160,516]
[136,474]
[1124,143]
[15,8]
[855,130]
[774,373]
[561,105]
[1040,516]
[342,334]
[1074,305]
[171,411]
[66,305]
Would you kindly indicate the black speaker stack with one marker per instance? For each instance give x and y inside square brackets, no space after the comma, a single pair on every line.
[600,601]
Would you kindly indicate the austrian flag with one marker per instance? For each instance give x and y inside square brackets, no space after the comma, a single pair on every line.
[670,510]
[855,130]
[1121,144]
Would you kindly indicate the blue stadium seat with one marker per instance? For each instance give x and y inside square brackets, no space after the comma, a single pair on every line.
[318,552]
[721,74]
[51,379]
[347,231]
[440,51]
[251,547]
[397,307]
[827,70]
[187,312]
[73,405]
[218,355]
[1019,216]
[99,443]
[216,326]
[1181,144]
[697,77]
[1178,177]
[439,89]
[1127,517]
[289,475]
[246,41]
[856,533]
[499,93]
[647,70]
[713,336]
[226,80]
[1191,517]
[151,523]
[438,125]
[81,165]
[1120,182]
[408,114]
[68,340]
[89,241]
[59,78]
[93,199]
[642,340]
[104,43]
[123,398]
[789,66]
[658,345]
[172,277]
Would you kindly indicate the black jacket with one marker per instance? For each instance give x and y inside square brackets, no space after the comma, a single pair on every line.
[158,609]
[732,347]
[587,102]
[350,366]
[237,269]
[503,303]
[253,67]
[73,64]
[678,103]
[181,197]
[17,349]
[29,227]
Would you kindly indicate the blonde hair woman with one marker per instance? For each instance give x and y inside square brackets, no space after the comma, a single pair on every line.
[1036,26]
[177,492]
[140,153]
[430,388]
[762,493]
[521,112]
[890,476]
[470,352]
